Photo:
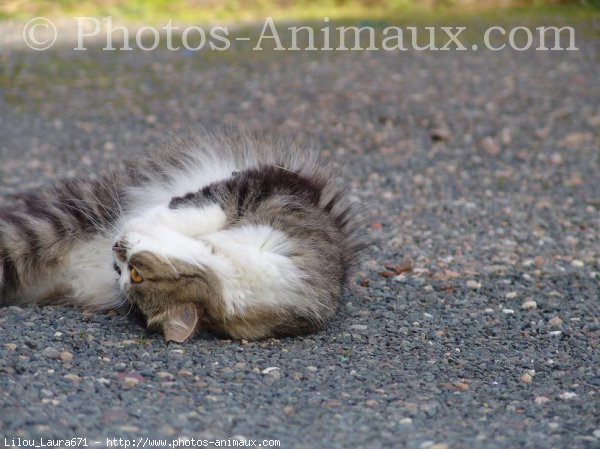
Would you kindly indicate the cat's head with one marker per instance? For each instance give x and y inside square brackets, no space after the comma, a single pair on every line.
[172,293]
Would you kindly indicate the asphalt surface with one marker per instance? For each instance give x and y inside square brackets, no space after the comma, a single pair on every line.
[474,318]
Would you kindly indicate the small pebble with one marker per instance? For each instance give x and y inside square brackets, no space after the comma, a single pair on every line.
[51,353]
[474,285]
[167,429]
[289,410]
[120,367]
[529,305]
[461,386]
[72,377]
[46,393]
[577,263]
[10,346]
[511,295]
[567,395]
[555,322]
[440,134]
[275,375]
[490,146]
[130,382]
[66,356]
[526,378]
[438,446]
[541,400]
[508,311]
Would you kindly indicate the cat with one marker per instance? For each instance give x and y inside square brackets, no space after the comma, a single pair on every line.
[245,236]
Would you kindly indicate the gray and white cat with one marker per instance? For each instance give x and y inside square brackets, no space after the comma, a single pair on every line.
[245,236]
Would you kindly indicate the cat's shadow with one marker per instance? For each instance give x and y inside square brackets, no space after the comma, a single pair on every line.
[135,317]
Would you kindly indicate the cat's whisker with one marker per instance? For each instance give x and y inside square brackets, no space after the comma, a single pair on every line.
[92,220]
[128,311]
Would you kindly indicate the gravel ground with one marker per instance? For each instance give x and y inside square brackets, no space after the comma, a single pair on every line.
[474,318]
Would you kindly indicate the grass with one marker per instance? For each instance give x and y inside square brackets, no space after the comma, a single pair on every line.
[211,11]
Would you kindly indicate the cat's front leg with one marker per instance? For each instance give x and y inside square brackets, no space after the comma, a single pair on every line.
[191,220]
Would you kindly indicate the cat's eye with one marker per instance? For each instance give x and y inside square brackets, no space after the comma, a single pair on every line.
[117,269]
[135,276]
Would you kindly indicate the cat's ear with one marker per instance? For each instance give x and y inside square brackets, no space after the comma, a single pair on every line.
[181,323]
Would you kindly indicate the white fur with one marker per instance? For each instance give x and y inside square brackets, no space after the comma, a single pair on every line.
[214,159]
[263,273]
[204,169]
[88,273]
[190,221]
[165,242]
[252,262]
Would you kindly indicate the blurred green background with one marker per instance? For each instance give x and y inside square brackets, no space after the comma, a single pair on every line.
[236,10]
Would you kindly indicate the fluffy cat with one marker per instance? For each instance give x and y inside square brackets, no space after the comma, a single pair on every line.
[248,237]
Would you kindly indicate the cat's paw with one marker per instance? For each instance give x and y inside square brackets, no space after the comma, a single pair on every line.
[173,232]
[159,216]
[194,221]
[139,236]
